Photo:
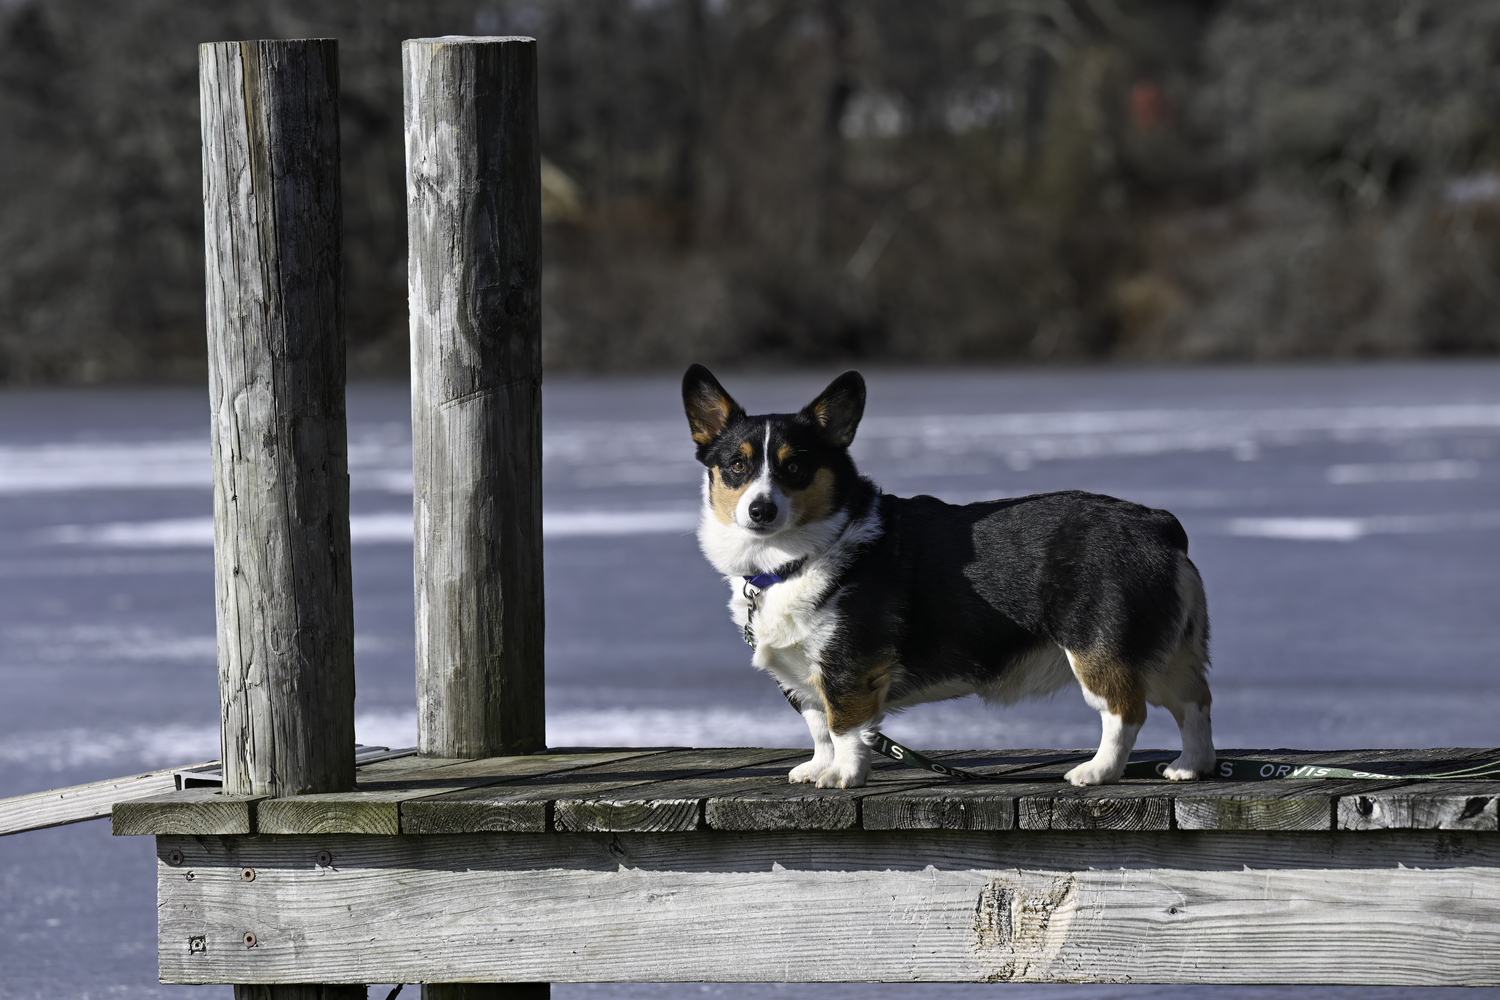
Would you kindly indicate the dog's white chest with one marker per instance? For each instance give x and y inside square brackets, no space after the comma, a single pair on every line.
[790,622]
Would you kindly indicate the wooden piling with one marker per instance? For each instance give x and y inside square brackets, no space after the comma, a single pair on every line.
[276,392]
[474,274]
[272,219]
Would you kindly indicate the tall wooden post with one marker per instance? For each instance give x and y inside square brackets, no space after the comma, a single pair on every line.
[474,221]
[474,275]
[272,219]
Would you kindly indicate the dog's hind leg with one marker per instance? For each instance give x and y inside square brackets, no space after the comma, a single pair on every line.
[1197,760]
[1117,692]
[1183,688]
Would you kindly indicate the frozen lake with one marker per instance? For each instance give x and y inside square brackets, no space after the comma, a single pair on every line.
[1346,521]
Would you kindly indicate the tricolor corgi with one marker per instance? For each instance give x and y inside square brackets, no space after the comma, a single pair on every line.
[860,603]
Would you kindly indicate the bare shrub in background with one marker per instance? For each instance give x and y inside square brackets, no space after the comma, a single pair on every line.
[774,181]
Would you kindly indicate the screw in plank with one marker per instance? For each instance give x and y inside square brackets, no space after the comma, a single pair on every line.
[249,939]
[197,944]
[175,858]
[247,874]
[325,860]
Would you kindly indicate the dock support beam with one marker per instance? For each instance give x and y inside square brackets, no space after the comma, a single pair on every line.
[272,219]
[474,274]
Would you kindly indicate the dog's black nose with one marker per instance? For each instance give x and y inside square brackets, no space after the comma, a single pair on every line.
[762,511]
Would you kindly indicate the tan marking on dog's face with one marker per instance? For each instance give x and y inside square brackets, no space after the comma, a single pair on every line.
[747,449]
[814,503]
[784,452]
[724,499]
[848,709]
[1122,688]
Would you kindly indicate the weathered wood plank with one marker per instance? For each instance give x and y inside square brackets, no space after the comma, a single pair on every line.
[207,810]
[951,805]
[1040,799]
[1277,804]
[1125,806]
[1302,806]
[1045,801]
[1457,805]
[1439,805]
[201,811]
[272,226]
[375,807]
[776,804]
[783,807]
[673,806]
[526,806]
[1291,804]
[427,795]
[722,907]
[77,803]
[859,850]
[959,808]
[474,274]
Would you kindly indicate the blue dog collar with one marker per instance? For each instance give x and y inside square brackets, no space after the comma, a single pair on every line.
[761,581]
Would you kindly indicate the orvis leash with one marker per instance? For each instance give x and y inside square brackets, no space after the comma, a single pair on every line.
[1265,770]
[1226,768]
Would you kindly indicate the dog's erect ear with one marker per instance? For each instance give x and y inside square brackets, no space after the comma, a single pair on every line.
[838,409]
[708,406]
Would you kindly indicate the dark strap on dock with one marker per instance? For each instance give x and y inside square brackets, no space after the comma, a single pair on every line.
[1224,767]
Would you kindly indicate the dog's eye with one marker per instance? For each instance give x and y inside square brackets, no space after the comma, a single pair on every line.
[791,468]
[738,466]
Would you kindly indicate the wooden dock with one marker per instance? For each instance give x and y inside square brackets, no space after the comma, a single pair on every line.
[675,864]
[485,871]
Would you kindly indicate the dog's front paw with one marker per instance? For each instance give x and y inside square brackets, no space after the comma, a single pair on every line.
[844,776]
[808,772]
[1183,769]
[1094,772]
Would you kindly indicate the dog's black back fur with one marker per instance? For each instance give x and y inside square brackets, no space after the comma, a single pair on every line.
[961,592]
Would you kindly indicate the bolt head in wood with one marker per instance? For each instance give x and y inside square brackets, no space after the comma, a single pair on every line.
[247,874]
[174,858]
[325,860]
[249,939]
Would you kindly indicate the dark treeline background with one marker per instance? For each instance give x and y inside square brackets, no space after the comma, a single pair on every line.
[773,181]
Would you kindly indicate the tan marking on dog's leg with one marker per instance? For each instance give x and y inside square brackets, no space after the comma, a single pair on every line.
[815,503]
[1117,693]
[852,717]
[722,499]
[1121,687]
[853,708]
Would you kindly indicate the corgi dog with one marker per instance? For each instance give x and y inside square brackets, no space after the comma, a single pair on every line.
[860,603]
